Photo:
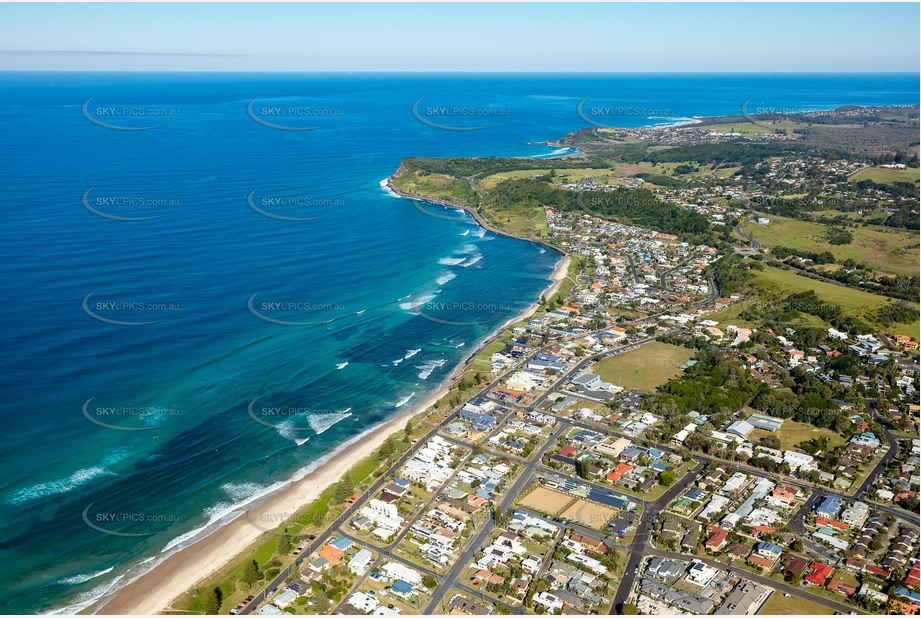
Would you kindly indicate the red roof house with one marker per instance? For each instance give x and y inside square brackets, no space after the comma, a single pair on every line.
[819,574]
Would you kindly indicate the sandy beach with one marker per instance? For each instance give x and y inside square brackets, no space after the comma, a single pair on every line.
[155,590]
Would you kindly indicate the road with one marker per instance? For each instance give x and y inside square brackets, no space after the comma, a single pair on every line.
[639,548]
[479,539]
[636,277]
[352,510]
[753,244]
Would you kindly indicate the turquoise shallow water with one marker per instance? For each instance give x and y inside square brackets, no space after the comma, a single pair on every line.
[214,278]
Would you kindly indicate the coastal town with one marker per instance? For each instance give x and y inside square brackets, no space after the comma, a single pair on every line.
[654,440]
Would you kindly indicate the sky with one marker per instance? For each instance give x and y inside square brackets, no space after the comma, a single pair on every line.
[433,37]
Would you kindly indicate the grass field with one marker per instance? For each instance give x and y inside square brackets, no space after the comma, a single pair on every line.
[612,175]
[646,367]
[779,605]
[883,249]
[792,433]
[743,127]
[853,302]
[520,220]
[761,126]
[884,175]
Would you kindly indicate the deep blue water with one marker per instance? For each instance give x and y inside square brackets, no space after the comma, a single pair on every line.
[355,271]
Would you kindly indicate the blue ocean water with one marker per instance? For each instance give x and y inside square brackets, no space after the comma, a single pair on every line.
[266,300]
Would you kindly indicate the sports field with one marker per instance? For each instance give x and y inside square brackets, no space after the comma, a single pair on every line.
[646,367]
[546,500]
[589,514]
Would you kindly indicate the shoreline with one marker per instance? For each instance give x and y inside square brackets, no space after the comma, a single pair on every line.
[154,590]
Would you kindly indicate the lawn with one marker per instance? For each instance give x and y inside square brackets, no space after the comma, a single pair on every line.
[742,126]
[645,368]
[884,175]
[884,249]
[519,220]
[779,605]
[854,302]
[792,433]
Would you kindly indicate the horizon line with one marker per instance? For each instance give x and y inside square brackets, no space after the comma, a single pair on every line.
[450,72]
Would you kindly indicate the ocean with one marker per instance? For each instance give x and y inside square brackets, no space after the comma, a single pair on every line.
[207,289]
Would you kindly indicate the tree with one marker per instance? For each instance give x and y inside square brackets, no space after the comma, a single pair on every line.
[429,582]
[388,448]
[321,604]
[211,601]
[344,489]
[666,478]
[629,610]
[251,573]
[797,545]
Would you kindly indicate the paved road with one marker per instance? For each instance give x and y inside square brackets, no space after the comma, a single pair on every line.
[352,510]
[754,244]
[663,278]
[870,405]
[479,539]
[636,277]
[639,548]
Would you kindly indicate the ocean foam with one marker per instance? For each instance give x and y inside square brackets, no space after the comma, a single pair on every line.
[443,279]
[75,480]
[83,577]
[321,422]
[385,185]
[428,367]
[417,301]
[473,260]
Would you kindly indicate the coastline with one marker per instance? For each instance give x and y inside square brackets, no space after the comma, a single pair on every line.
[153,591]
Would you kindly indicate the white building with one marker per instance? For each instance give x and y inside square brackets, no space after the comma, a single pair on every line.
[549,601]
[363,602]
[395,570]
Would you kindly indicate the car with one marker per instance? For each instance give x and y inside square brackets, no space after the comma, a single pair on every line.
[234,611]
[250,598]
